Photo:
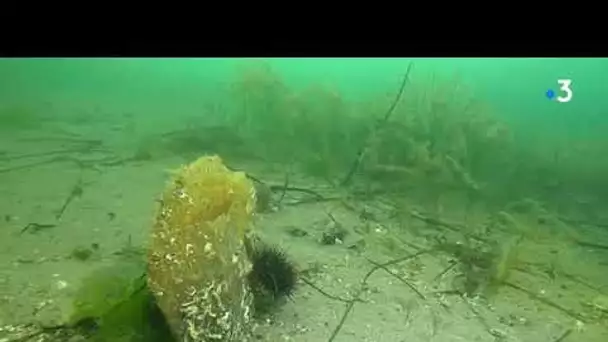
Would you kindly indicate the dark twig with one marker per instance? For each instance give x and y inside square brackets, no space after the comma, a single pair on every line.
[400,278]
[314,200]
[545,301]
[580,281]
[294,189]
[36,227]
[366,145]
[284,188]
[436,222]
[446,225]
[446,270]
[33,164]
[591,245]
[356,298]
[563,336]
[330,296]
[332,218]
[583,223]
[46,154]
[349,308]
[397,261]
[447,292]
[76,192]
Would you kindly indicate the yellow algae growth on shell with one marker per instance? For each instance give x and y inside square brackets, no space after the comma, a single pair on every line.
[197,264]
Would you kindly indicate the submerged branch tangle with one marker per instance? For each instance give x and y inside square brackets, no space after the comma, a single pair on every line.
[366,145]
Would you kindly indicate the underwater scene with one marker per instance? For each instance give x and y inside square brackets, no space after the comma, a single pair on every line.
[303,199]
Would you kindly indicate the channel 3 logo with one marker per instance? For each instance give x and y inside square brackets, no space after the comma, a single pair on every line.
[565,91]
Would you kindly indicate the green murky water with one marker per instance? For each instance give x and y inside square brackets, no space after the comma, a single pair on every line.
[506,157]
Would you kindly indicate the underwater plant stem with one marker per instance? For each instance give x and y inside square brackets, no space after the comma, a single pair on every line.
[365,147]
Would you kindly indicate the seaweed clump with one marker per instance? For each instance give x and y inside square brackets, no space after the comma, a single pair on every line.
[114,304]
[483,270]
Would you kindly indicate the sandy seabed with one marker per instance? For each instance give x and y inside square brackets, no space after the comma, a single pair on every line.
[39,275]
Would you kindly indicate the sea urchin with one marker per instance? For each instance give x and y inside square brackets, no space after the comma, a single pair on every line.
[273,275]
